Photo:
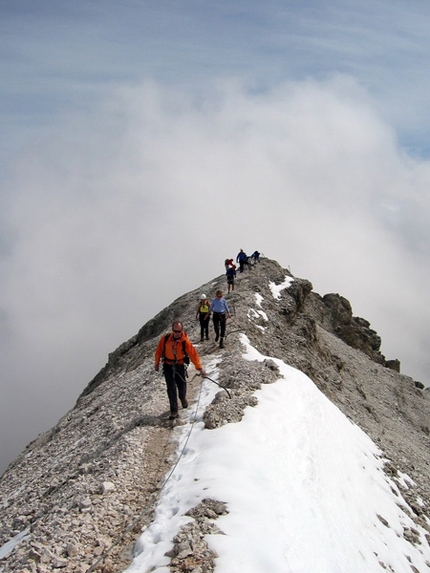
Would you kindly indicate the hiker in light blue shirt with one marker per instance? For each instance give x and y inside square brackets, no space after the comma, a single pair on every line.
[221,312]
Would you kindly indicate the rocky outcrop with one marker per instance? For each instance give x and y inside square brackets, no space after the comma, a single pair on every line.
[299,291]
[355,331]
[77,498]
[190,551]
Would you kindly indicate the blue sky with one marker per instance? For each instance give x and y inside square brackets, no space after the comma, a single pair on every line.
[58,55]
[143,143]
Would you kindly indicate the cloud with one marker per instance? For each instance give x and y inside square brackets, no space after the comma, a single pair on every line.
[126,207]
[64,54]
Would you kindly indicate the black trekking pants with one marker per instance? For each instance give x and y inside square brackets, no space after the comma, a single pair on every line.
[204,325]
[219,319]
[176,382]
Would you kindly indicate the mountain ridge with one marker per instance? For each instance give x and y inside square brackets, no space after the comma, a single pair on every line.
[108,455]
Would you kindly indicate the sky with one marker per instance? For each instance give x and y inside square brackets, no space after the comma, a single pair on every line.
[305,477]
[143,143]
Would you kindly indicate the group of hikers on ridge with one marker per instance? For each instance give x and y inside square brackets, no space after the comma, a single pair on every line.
[242,259]
[175,350]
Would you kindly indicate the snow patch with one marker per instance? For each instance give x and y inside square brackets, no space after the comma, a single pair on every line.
[276,289]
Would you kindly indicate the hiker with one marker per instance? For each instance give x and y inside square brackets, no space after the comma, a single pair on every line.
[256,256]
[231,273]
[175,350]
[202,314]
[241,259]
[220,310]
[229,263]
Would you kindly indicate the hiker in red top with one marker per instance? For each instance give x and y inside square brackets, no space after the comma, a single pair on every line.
[174,350]
[228,263]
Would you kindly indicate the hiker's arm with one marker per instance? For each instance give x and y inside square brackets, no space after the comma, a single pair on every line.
[158,353]
[194,357]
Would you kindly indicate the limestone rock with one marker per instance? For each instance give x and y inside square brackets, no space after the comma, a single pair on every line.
[80,493]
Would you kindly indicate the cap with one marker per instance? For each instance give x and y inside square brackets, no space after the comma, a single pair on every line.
[203,297]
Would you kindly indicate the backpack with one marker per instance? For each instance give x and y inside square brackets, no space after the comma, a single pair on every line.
[184,351]
[204,307]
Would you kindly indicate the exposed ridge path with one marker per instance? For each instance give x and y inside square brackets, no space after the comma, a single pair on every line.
[85,489]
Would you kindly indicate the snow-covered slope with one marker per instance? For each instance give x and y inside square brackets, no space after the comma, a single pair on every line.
[304,487]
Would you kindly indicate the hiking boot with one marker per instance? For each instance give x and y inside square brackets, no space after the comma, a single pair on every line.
[173,416]
[184,403]
[221,343]
[217,338]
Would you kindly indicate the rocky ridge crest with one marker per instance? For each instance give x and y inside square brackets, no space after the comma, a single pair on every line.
[81,493]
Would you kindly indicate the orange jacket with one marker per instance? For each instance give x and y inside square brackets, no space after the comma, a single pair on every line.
[172,351]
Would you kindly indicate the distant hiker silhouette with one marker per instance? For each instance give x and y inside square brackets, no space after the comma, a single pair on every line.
[250,262]
[229,263]
[241,259]
[231,273]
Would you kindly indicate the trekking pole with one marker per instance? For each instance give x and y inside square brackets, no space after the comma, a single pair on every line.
[218,384]
[232,331]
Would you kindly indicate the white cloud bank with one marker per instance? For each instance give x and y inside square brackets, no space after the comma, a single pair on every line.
[122,210]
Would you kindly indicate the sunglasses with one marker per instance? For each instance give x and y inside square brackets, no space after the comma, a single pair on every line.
[177,331]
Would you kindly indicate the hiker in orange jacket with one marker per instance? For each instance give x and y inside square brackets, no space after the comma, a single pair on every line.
[174,350]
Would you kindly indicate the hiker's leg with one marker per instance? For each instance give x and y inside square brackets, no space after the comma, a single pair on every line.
[223,324]
[181,383]
[216,323]
[202,327]
[169,375]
